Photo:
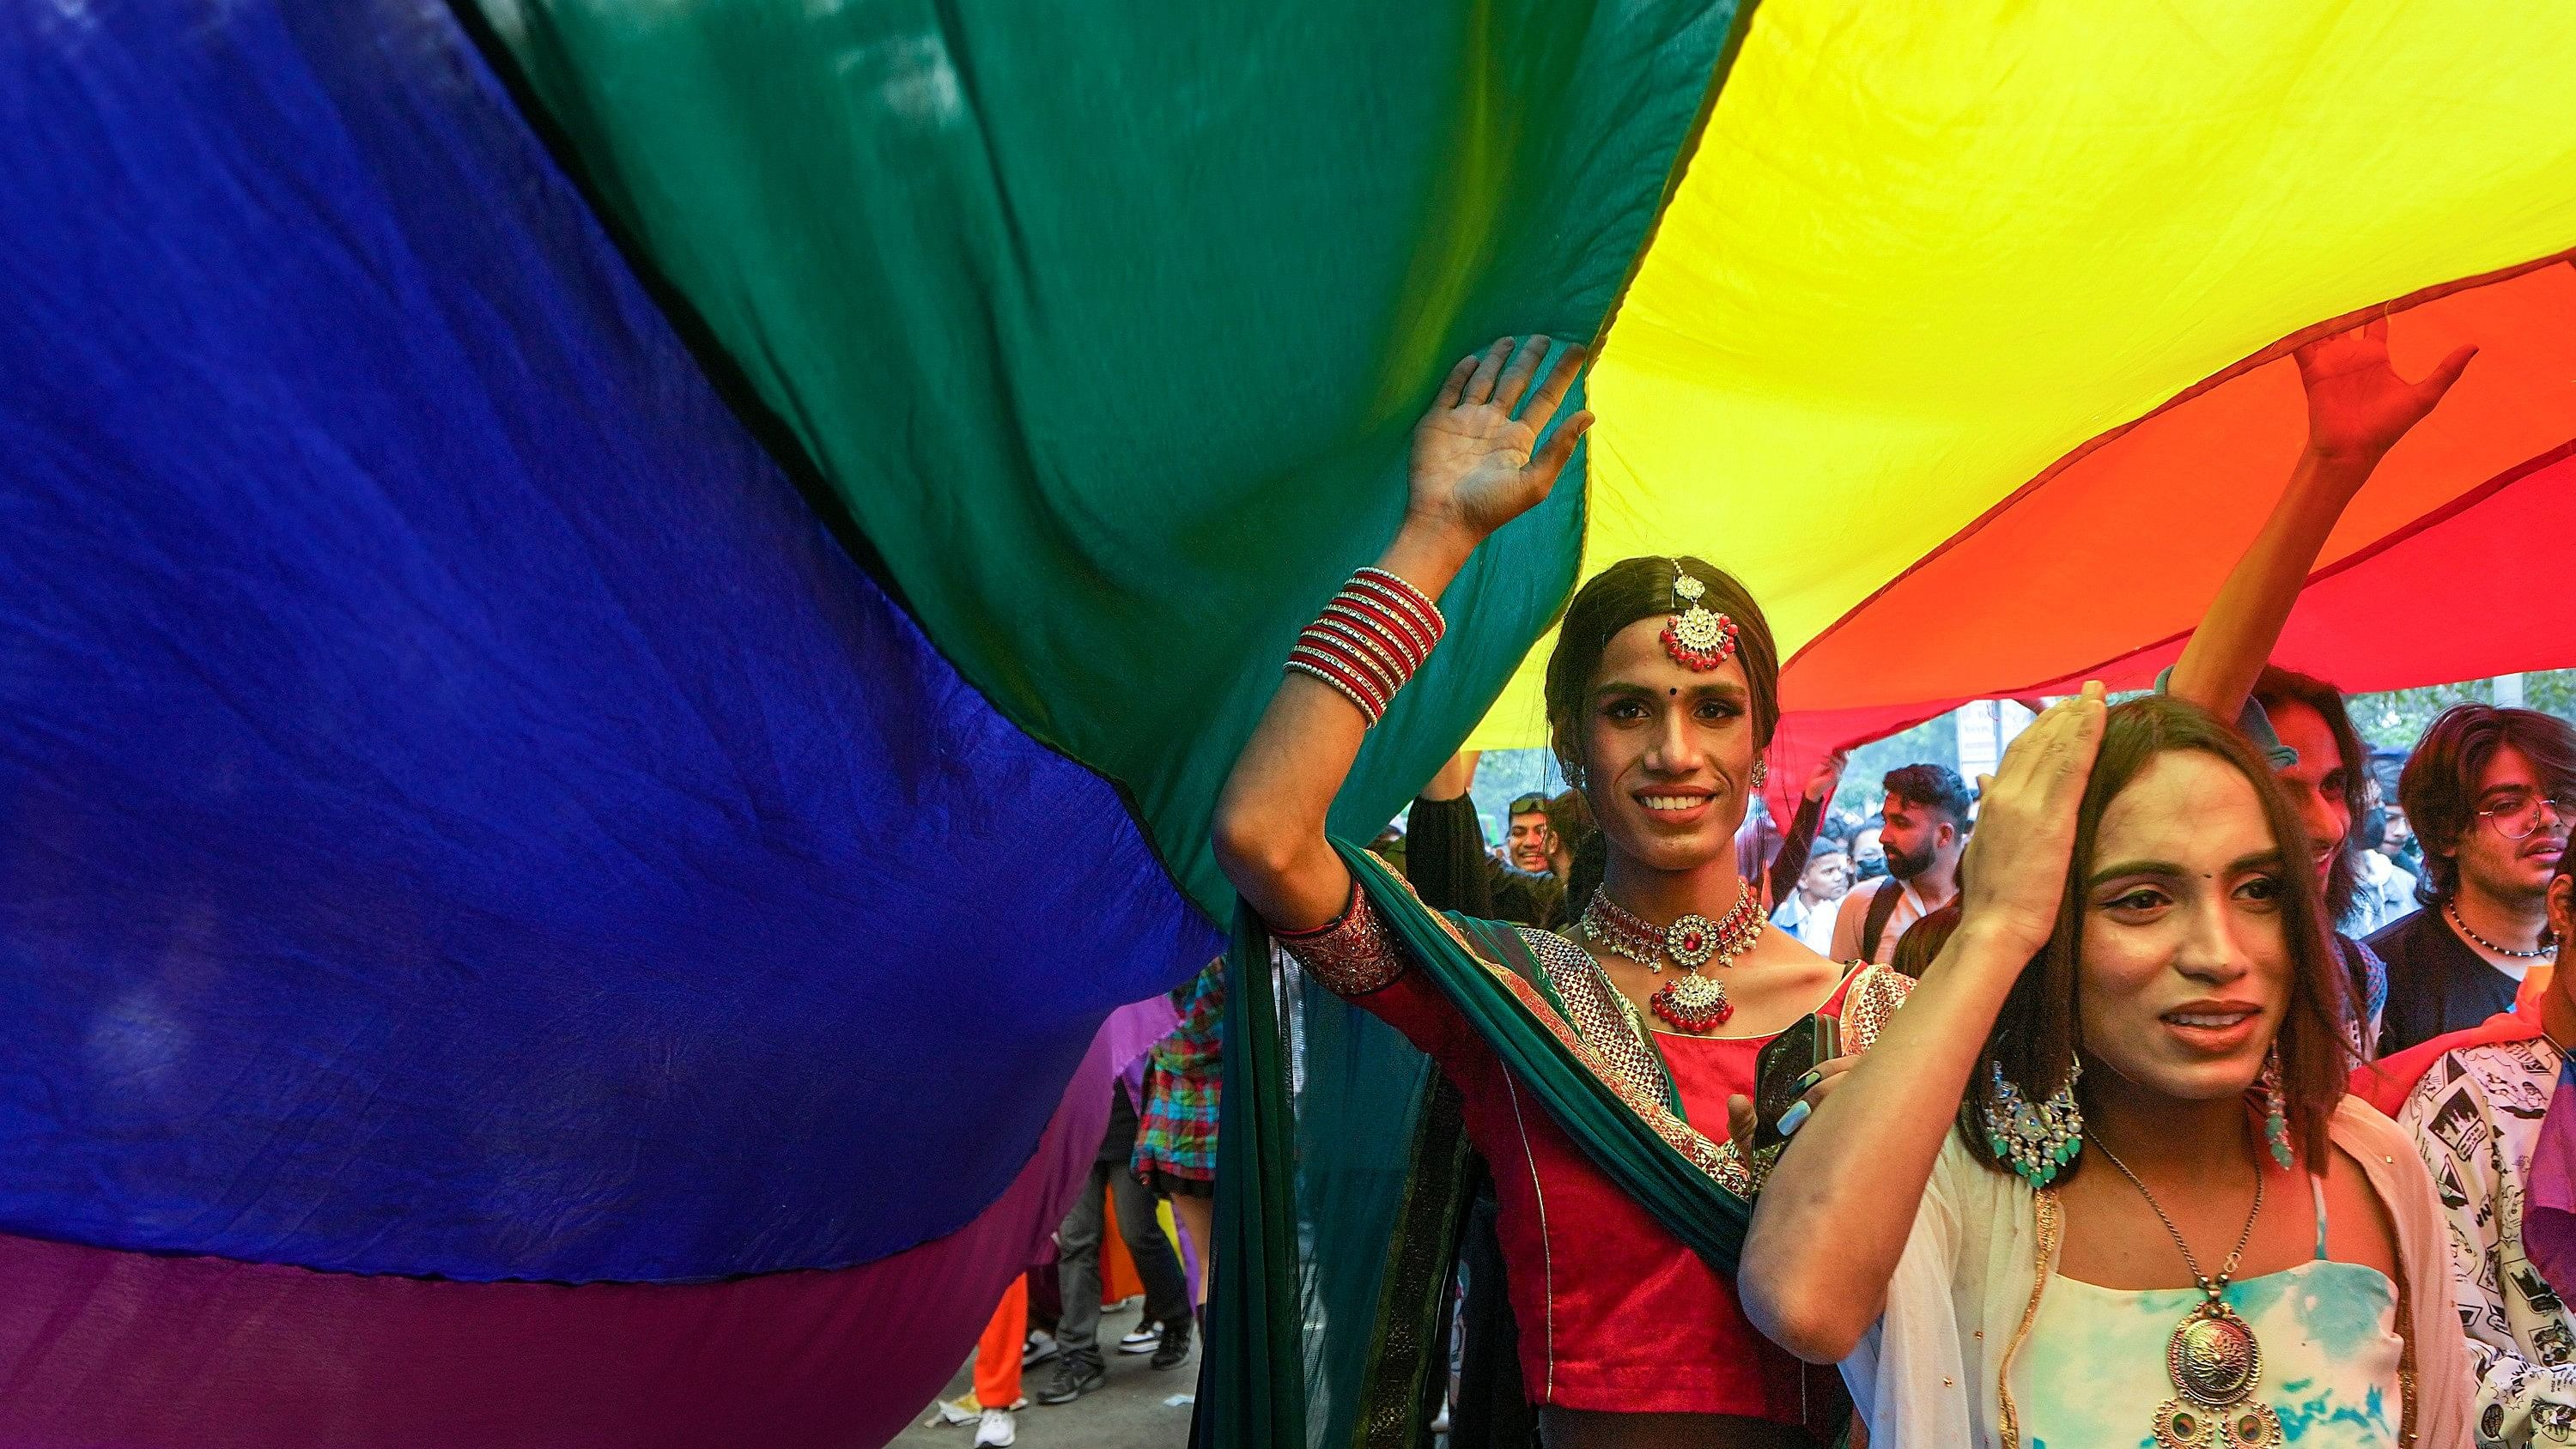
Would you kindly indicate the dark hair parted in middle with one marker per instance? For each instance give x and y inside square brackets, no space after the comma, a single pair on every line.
[2034,1037]
[1642,588]
[2440,785]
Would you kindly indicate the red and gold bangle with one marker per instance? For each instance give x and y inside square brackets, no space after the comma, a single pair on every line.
[1409,603]
[1381,623]
[1343,680]
[1386,665]
[1370,638]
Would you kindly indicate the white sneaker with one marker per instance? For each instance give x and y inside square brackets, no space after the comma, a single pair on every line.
[1143,1338]
[998,1428]
[956,1411]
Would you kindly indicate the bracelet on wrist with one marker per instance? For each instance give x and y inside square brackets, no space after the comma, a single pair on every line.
[1370,639]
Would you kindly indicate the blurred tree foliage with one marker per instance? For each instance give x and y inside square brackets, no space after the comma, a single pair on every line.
[2395,719]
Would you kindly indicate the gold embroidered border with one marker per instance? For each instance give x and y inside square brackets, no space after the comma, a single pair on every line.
[1873,998]
[1353,956]
[1599,1013]
[2044,1220]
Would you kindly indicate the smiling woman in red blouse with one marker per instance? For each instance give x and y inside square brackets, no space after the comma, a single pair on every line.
[1661,698]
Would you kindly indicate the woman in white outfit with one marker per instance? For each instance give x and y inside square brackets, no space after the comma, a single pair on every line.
[2099,1182]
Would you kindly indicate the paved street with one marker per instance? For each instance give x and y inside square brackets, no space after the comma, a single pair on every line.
[1130,1413]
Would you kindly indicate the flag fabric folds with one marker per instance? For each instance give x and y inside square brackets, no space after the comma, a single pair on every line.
[1109,322]
[466,819]
[622,621]
[1965,341]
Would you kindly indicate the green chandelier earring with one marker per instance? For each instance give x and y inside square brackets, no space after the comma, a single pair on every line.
[2036,1141]
[2276,1115]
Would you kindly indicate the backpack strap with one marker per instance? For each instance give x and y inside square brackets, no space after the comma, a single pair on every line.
[1882,908]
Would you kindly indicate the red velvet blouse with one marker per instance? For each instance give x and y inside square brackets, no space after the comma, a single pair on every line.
[1615,1313]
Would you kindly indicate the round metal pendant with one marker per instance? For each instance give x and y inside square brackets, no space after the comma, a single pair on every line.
[2251,1426]
[2213,1357]
[1690,940]
[2181,1425]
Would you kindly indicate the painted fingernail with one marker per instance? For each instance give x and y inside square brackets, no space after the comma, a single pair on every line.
[1794,1118]
[1809,1080]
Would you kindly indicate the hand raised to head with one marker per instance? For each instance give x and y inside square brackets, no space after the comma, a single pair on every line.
[2015,872]
[1476,467]
[2357,404]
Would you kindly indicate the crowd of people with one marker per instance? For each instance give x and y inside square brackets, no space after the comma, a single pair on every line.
[1159,1150]
[2193,1080]
[2186,1084]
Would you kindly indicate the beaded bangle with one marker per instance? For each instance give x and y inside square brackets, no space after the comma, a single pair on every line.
[1386,669]
[1411,605]
[1340,677]
[1370,638]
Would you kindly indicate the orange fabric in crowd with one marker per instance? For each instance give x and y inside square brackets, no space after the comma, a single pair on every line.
[997,1353]
[1119,1280]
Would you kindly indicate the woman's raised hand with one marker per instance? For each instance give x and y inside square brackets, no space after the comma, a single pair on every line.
[2358,407]
[2015,871]
[1477,467]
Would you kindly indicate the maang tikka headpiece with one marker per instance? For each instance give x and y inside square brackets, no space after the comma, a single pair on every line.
[1696,638]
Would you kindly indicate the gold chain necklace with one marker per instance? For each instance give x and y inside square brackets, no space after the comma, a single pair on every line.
[2213,1358]
[1690,1001]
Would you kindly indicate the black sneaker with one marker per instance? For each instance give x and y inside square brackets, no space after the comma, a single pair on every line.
[1073,1378]
[1175,1348]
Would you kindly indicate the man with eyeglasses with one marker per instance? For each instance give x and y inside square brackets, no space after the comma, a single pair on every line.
[1447,863]
[1529,846]
[2488,793]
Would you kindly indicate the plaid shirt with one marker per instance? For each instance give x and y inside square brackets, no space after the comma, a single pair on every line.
[1184,1086]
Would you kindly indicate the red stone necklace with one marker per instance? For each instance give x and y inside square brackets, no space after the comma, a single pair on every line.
[1690,1001]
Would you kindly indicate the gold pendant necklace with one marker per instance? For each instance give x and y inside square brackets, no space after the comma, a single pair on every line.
[2213,1358]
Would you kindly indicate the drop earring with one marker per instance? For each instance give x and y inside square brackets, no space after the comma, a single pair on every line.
[2276,1116]
[1761,772]
[2036,1142]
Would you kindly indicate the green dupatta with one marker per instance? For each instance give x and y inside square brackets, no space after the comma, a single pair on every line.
[1342,1172]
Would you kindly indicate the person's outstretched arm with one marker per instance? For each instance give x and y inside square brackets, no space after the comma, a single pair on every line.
[2358,407]
[1800,839]
[1475,467]
[1833,1219]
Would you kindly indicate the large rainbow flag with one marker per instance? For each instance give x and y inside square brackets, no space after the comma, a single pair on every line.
[622,616]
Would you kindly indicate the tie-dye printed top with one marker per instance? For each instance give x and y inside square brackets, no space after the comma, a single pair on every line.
[1944,1365]
[2093,1371]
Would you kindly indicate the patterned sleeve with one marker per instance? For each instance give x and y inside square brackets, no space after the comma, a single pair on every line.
[1874,996]
[1198,1043]
[2453,1126]
[1358,960]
